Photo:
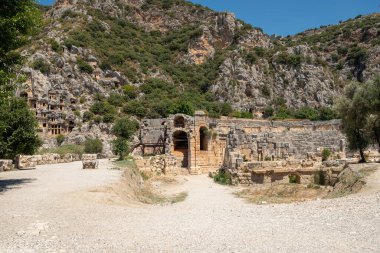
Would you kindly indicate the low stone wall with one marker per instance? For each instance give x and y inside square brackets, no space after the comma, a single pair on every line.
[276,172]
[29,162]
[162,164]
[6,165]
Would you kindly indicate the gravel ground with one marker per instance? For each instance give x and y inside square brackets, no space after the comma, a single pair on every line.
[52,209]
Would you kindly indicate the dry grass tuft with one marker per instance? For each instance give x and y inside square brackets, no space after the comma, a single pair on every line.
[281,193]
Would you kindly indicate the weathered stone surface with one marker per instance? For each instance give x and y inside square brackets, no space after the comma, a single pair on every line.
[6,165]
[28,162]
[90,164]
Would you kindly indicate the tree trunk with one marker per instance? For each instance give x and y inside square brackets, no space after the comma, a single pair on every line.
[362,157]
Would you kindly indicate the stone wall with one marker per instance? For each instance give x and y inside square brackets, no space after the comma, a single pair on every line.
[28,162]
[158,165]
[202,144]
[276,172]
[6,165]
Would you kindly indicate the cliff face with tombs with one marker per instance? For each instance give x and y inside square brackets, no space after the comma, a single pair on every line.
[199,144]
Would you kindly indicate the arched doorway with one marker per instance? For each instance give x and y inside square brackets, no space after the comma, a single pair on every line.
[203,138]
[181,147]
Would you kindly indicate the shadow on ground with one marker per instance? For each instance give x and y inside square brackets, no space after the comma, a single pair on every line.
[9,184]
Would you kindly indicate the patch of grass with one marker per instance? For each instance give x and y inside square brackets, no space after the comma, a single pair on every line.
[281,193]
[130,163]
[222,178]
[64,150]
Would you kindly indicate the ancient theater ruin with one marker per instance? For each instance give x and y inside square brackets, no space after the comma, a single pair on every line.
[252,151]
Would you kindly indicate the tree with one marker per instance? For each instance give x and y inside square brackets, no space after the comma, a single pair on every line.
[354,108]
[18,129]
[18,20]
[120,147]
[124,129]
[93,146]
[374,118]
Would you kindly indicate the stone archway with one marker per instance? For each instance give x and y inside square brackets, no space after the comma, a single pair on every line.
[203,138]
[181,147]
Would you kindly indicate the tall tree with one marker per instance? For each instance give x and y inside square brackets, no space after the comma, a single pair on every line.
[124,129]
[373,89]
[19,19]
[354,109]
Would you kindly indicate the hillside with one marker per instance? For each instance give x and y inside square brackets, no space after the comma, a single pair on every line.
[149,58]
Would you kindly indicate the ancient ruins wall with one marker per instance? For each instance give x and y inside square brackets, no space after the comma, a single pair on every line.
[27,162]
[202,144]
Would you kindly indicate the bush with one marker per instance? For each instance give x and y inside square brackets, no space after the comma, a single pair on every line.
[116,99]
[65,149]
[55,46]
[242,115]
[41,65]
[326,153]
[93,146]
[85,67]
[109,118]
[130,91]
[87,116]
[293,179]
[223,178]
[60,139]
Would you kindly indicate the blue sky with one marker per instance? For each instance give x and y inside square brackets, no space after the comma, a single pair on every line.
[292,16]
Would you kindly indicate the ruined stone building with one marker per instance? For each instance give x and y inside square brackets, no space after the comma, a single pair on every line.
[201,144]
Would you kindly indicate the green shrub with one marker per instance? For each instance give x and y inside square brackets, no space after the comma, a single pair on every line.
[93,146]
[55,46]
[60,139]
[82,100]
[102,108]
[242,115]
[293,179]
[109,118]
[41,65]
[326,153]
[116,99]
[87,116]
[98,119]
[65,149]
[307,113]
[85,67]
[130,91]
[223,178]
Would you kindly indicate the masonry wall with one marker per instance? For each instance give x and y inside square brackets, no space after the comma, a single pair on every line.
[213,142]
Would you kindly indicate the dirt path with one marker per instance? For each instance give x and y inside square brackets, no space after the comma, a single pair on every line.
[45,210]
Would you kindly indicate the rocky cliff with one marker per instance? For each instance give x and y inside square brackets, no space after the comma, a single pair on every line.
[156,54]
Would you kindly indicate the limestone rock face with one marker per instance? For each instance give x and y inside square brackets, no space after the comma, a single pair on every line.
[254,71]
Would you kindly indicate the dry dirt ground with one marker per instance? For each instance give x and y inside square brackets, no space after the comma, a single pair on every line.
[56,209]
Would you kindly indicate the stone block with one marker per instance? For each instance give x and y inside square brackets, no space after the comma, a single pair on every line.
[90,164]
[6,165]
